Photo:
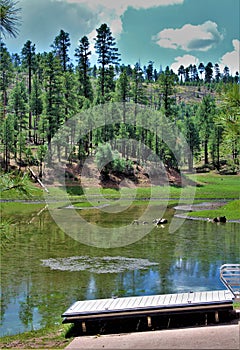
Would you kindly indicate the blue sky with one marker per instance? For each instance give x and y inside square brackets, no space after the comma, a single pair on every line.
[167,32]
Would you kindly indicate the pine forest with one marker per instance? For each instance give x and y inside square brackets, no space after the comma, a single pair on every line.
[41,91]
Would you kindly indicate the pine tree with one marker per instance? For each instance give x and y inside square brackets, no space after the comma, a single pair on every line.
[16,61]
[192,137]
[215,143]
[123,87]
[226,74]
[217,72]
[229,118]
[206,114]
[123,95]
[137,86]
[201,69]
[109,82]
[83,68]
[7,137]
[36,104]
[60,49]
[166,82]
[28,61]
[181,72]
[209,72]
[106,51]
[53,106]
[149,71]
[9,18]
[186,75]
[19,107]
[195,73]
[6,69]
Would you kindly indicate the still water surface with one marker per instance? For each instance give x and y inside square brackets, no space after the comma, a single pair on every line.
[44,270]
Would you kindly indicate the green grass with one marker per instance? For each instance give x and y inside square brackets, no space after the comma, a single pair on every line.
[209,186]
[33,192]
[15,208]
[216,186]
[236,305]
[230,210]
[84,204]
[53,337]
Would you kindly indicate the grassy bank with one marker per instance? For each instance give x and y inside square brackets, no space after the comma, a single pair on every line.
[231,211]
[47,338]
[208,186]
[212,185]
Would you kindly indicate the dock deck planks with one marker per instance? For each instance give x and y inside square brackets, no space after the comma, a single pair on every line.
[148,305]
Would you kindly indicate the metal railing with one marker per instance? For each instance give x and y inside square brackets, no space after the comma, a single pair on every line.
[230,276]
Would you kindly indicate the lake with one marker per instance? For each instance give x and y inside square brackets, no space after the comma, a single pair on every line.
[45,270]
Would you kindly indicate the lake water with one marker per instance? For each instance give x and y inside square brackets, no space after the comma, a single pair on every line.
[44,270]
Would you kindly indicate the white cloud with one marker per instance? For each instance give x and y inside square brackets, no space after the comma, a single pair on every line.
[185,60]
[121,6]
[110,11]
[190,37]
[231,59]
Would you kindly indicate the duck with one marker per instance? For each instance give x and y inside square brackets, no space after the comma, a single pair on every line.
[160,221]
[219,219]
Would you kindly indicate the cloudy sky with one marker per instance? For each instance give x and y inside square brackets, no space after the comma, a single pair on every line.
[167,32]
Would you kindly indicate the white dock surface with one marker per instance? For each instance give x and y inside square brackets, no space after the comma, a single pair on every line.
[148,303]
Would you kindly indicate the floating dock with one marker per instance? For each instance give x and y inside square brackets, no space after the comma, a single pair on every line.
[154,305]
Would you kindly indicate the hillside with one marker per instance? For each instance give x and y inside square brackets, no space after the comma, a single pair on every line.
[193,94]
[89,175]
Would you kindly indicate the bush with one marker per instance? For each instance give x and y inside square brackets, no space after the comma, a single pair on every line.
[108,161]
[104,157]
[229,169]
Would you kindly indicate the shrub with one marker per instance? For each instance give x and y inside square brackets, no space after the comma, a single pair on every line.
[108,161]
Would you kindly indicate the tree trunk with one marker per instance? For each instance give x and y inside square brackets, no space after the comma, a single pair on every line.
[206,152]
[29,96]
[190,162]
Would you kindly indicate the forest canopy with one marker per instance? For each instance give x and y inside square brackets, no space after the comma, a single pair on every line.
[42,91]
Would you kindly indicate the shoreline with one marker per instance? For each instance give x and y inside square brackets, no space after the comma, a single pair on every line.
[201,207]
[184,216]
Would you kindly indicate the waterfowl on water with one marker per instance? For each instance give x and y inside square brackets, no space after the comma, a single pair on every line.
[160,221]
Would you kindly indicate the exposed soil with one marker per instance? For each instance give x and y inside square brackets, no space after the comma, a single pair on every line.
[88,175]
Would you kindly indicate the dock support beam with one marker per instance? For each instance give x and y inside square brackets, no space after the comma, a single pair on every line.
[84,328]
[206,319]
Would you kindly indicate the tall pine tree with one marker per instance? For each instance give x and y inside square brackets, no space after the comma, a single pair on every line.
[60,47]
[28,61]
[107,52]
[82,53]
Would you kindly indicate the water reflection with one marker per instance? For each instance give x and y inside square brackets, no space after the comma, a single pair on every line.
[34,295]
